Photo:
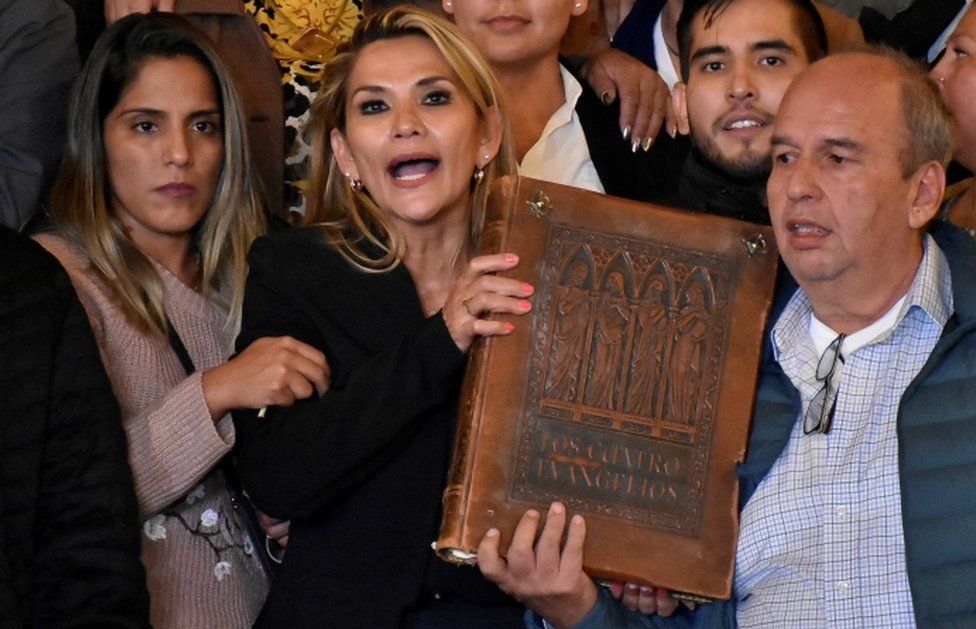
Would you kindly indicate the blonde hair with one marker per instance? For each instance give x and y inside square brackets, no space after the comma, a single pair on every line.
[79,204]
[350,219]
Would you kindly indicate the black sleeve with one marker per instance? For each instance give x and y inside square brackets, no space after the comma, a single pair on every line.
[38,63]
[914,29]
[87,570]
[297,459]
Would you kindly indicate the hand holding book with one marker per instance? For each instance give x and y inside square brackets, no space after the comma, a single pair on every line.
[545,575]
[477,292]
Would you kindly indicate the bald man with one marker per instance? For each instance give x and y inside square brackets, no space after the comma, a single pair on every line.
[859,507]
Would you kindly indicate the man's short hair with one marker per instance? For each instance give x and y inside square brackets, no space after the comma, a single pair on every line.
[926,135]
[808,23]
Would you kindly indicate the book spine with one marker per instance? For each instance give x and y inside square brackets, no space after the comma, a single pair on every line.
[451,544]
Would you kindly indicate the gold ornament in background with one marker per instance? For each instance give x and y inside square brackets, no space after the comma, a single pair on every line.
[304,33]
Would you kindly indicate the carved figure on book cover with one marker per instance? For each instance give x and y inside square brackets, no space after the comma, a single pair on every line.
[609,334]
[650,338]
[687,362]
[571,321]
[641,361]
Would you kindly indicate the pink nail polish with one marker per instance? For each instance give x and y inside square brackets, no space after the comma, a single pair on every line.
[511,258]
[528,289]
[524,305]
[509,326]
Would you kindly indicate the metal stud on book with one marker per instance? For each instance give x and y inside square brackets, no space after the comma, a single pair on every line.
[755,246]
[539,204]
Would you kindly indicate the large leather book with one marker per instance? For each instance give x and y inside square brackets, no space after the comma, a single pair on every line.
[627,391]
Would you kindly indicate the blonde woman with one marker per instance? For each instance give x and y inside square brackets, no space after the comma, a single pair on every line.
[154,210]
[407,136]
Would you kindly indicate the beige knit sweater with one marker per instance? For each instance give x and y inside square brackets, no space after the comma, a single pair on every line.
[200,566]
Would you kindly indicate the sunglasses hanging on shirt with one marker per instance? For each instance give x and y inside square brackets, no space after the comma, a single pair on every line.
[820,412]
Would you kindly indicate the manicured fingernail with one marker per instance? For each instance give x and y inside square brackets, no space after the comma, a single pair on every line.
[647,144]
[635,145]
[646,590]
[626,132]
[509,326]
[524,305]
[556,508]
[577,519]
[492,533]
[527,289]
[511,258]
[606,97]
[632,587]
[673,131]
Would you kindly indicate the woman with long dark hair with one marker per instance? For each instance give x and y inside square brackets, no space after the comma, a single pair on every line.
[153,212]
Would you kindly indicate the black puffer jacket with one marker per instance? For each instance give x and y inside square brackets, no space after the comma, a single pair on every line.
[68,522]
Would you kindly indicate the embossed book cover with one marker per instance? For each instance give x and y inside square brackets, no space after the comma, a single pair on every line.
[626,393]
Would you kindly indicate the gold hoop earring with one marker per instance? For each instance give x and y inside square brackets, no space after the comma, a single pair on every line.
[355,184]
